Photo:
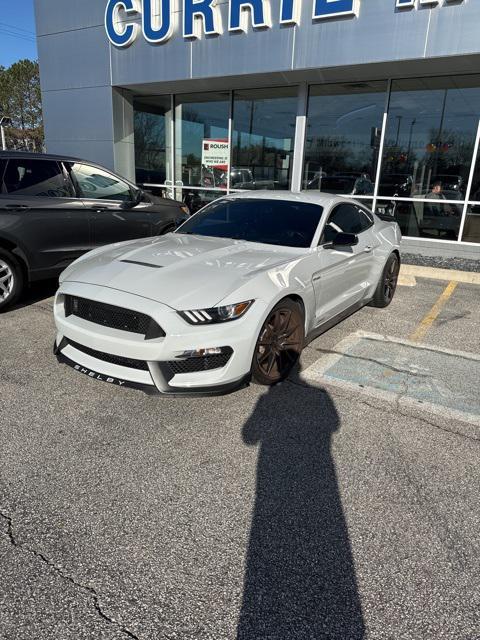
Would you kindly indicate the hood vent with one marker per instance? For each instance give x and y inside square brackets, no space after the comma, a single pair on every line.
[143,264]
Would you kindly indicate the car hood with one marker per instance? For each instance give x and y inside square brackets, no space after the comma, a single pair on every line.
[181,271]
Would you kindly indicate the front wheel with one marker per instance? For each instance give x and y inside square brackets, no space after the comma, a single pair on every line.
[11,280]
[279,343]
[388,283]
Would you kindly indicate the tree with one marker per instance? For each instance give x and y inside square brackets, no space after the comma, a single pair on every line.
[20,99]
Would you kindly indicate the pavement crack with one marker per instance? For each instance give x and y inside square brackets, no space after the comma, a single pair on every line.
[418,419]
[89,590]
[385,365]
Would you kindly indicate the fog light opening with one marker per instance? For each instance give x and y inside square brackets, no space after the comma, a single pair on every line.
[202,353]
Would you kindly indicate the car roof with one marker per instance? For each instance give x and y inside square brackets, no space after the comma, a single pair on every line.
[28,155]
[317,197]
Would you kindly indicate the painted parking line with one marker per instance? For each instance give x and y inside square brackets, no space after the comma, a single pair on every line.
[434,273]
[432,315]
[405,373]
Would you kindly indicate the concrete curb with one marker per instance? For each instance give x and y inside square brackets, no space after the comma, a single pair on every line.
[409,271]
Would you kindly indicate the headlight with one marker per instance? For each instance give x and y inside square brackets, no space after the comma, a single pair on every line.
[217,314]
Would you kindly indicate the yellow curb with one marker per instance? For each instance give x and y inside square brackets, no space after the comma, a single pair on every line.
[449,275]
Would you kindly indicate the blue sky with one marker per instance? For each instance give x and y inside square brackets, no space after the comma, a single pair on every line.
[17,32]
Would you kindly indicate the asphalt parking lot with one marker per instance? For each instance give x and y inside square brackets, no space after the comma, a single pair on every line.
[330,507]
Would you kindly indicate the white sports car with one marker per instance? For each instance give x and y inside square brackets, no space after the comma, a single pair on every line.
[233,295]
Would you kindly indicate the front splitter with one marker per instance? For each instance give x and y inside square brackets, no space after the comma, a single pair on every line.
[202,392]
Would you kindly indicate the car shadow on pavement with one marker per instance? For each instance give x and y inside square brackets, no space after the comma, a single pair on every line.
[299,578]
[35,293]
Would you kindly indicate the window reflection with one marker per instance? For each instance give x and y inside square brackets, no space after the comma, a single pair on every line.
[343,137]
[471,231]
[475,190]
[263,138]
[202,151]
[195,199]
[152,122]
[432,123]
[434,220]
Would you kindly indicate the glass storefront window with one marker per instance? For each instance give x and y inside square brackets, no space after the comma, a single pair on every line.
[263,138]
[153,151]
[471,231]
[424,219]
[202,150]
[195,199]
[430,136]
[342,144]
[475,190]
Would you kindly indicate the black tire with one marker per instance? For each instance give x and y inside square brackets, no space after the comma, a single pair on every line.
[11,279]
[279,343]
[387,284]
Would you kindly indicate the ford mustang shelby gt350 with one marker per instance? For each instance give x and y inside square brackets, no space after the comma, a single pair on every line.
[232,295]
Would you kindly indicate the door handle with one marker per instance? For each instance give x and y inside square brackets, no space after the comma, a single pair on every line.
[99,209]
[368,249]
[16,207]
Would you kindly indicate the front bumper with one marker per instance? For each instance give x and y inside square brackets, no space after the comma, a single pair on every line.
[155,377]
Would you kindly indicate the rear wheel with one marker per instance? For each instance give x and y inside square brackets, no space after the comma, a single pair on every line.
[279,344]
[388,283]
[11,279]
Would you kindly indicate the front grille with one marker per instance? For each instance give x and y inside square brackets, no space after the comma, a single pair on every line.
[108,315]
[194,365]
[109,357]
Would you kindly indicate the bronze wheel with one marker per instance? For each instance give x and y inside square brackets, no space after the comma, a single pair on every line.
[279,344]
[391,278]
[388,283]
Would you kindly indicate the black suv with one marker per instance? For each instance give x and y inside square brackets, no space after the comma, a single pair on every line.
[54,208]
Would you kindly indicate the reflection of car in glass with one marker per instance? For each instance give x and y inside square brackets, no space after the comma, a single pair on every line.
[396,184]
[312,181]
[53,209]
[450,183]
[426,219]
[233,295]
[240,176]
[353,184]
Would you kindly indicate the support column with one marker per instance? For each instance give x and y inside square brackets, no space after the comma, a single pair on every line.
[300,132]
[123,133]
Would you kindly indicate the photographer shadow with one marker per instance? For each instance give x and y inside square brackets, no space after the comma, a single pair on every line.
[299,578]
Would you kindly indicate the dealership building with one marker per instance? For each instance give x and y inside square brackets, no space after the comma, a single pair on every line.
[373,99]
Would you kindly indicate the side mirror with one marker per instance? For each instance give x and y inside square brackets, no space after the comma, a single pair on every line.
[137,196]
[343,240]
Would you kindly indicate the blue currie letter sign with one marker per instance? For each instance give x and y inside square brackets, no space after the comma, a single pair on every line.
[156,33]
[260,14]
[334,8]
[196,10]
[121,34]
[290,12]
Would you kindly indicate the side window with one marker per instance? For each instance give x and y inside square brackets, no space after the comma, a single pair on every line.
[42,178]
[98,184]
[346,218]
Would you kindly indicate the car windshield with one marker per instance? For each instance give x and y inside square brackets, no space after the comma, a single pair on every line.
[279,222]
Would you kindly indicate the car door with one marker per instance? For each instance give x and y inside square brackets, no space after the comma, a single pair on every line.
[109,199]
[43,213]
[344,274]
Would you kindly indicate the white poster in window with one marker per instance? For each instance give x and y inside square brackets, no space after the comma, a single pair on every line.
[216,154]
